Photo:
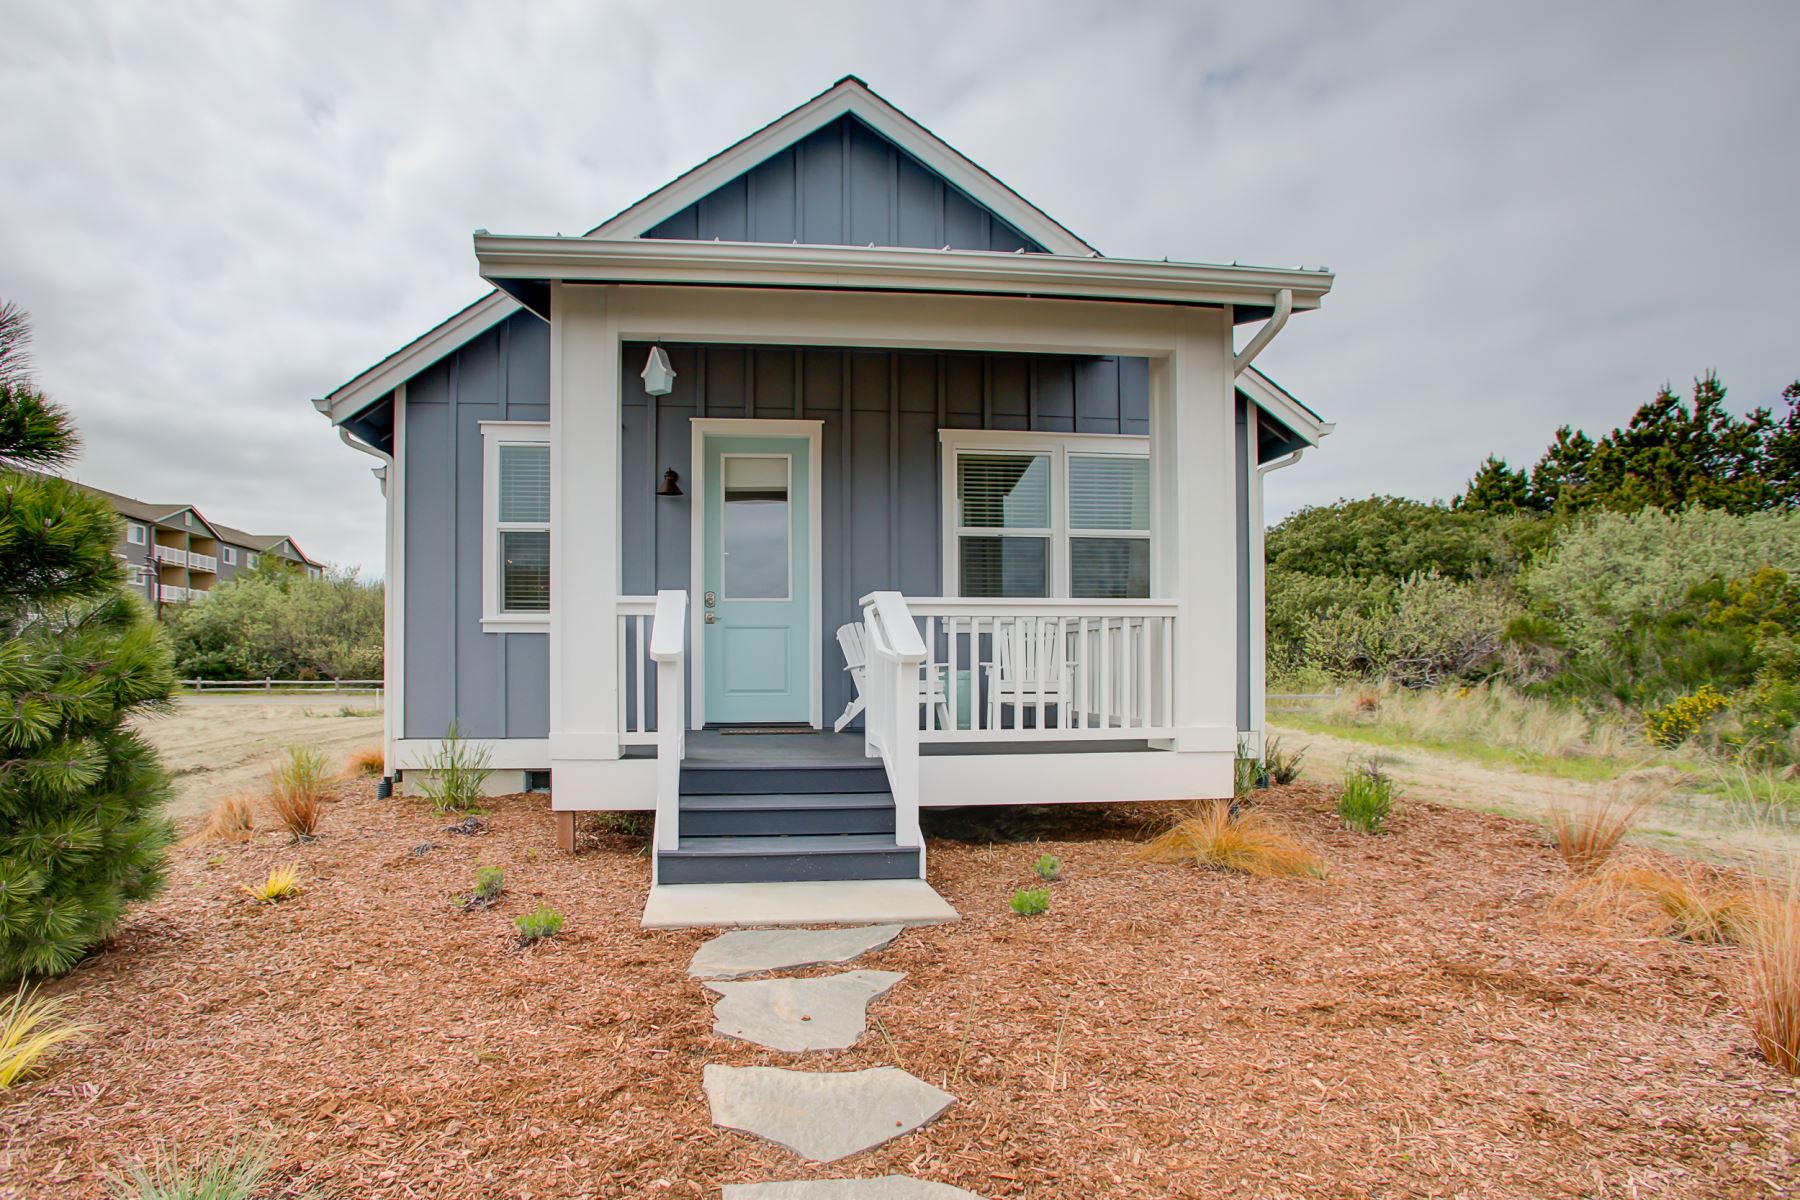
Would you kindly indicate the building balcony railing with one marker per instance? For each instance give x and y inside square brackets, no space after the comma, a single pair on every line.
[168,593]
[202,562]
[175,556]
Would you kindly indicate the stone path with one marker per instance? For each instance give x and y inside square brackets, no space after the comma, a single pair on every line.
[820,1115]
[797,1015]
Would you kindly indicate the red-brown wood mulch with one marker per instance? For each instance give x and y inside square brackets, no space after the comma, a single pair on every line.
[1413,1026]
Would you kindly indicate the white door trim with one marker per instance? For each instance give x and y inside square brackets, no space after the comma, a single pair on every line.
[813,432]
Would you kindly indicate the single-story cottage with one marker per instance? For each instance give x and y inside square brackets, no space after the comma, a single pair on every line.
[831,481]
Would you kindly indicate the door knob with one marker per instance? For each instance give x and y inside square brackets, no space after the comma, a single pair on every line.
[711,617]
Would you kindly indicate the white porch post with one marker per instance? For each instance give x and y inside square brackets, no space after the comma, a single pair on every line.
[584,540]
[1193,448]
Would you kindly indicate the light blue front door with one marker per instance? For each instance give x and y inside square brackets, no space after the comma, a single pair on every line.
[756,599]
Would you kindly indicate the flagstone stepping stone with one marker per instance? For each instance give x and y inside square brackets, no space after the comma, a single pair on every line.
[756,951]
[822,1115]
[797,1015]
[886,1187]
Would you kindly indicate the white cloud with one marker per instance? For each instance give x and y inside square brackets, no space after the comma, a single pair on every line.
[1537,214]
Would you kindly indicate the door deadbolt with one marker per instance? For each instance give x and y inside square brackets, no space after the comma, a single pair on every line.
[711,599]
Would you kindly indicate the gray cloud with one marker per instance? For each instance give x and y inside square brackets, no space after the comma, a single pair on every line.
[1538,214]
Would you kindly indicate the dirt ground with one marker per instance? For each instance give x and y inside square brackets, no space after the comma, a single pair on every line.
[1693,825]
[1413,1026]
[217,745]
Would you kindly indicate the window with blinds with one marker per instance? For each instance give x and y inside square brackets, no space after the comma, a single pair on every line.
[1004,524]
[1051,518]
[1111,493]
[521,527]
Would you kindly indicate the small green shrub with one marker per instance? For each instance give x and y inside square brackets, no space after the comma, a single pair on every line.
[456,775]
[541,922]
[1048,867]
[1283,767]
[1367,798]
[1029,902]
[1246,773]
[626,824]
[490,885]
[231,1174]
[1671,724]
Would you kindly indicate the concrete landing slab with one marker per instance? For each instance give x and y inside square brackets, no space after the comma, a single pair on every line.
[741,905]
[822,1115]
[797,1015]
[757,951]
[884,1187]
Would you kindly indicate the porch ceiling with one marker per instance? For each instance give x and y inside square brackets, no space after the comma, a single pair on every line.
[524,265]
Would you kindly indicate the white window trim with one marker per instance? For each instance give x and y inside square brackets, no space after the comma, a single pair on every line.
[136,534]
[495,434]
[1059,446]
[251,558]
[228,555]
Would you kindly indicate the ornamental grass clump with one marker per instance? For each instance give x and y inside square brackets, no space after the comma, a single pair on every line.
[1688,902]
[1247,841]
[457,774]
[231,819]
[30,1028]
[1773,978]
[1586,834]
[282,883]
[298,786]
[1367,798]
[366,763]
[234,1173]
[1283,767]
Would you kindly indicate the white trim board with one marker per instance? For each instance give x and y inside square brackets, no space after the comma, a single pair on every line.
[1269,396]
[701,428]
[504,754]
[495,434]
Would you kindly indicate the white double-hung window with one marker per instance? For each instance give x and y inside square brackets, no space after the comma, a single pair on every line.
[1032,515]
[515,553]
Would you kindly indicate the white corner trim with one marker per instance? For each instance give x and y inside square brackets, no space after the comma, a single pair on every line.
[850,96]
[495,434]
[813,432]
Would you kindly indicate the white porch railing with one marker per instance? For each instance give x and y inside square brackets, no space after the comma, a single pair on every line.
[202,562]
[891,720]
[173,555]
[1046,670]
[637,707]
[668,641]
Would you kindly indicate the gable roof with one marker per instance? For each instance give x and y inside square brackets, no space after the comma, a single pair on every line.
[848,96]
[1303,426]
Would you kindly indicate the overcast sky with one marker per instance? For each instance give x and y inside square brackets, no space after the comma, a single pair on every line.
[1537,214]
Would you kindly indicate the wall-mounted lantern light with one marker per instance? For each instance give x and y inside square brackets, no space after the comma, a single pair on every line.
[670,485]
[659,376]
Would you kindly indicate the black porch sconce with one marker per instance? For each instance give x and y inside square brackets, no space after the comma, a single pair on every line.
[671,485]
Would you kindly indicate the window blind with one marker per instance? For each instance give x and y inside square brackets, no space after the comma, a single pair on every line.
[525,570]
[524,484]
[1109,492]
[1004,491]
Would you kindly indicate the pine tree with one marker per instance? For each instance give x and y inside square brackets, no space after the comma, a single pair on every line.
[81,833]
[1497,488]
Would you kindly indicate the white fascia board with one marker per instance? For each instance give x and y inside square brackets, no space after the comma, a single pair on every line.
[979,272]
[1267,395]
[849,96]
[406,362]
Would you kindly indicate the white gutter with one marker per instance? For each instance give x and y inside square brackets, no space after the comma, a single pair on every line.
[356,443]
[748,264]
[1263,469]
[1284,308]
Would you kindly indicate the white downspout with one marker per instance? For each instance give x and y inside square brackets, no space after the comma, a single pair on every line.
[1284,308]
[384,474]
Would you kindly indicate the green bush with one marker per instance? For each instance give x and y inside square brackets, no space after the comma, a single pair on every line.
[1435,630]
[1283,767]
[276,622]
[1048,867]
[455,776]
[541,922]
[1030,902]
[490,882]
[1367,798]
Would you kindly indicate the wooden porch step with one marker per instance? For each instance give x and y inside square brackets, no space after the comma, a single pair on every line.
[781,814]
[763,778]
[787,859]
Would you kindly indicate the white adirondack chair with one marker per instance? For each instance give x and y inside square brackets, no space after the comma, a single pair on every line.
[1030,667]
[856,660]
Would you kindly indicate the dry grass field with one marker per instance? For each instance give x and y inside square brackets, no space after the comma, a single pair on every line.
[1421,1022]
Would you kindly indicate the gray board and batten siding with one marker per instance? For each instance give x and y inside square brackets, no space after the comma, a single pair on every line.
[880,504]
[844,185]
